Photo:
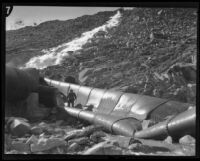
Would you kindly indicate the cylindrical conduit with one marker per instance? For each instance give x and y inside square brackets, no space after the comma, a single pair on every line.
[183,124]
[19,83]
[114,124]
[47,96]
[87,115]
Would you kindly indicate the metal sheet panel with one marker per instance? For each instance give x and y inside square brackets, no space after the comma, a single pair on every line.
[144,106]
[173,108]
[48,81]
[95,97]
[105,120]
[126,126]
[75,88]
[83,95]
[64,88]
[73,111]
[109,101]
[125,104]
[87,115]
[55,83]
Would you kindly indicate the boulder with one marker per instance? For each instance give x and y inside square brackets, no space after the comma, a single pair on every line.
[134,146]
[36,130]
[79,106]
[80,141]
[97,136]
[19,127]
[103,148]
[20,147]
[74,147]
[70,79]
[32,139]
[169,140]
[83,132]
[46,144]
[59,122]
[118,140]
[187,139]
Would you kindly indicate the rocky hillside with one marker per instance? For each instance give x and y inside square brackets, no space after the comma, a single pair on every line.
[27,42]
[134,56]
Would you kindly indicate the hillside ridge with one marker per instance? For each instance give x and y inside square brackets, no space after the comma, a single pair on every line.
[134,56]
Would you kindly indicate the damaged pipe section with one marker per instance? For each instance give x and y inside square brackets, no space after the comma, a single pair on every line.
[180,125]
[122,113]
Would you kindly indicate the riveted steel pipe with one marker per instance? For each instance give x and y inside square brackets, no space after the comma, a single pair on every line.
[114,124]
[182,124]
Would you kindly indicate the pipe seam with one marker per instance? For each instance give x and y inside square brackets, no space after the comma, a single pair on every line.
[79,113]
[167,123]
[111,128]
[116,103]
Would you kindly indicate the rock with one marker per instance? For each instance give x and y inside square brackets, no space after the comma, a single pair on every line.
[58,150]
[191,107]
[19,127]
[46,144]
[169,140]
[36,130]
[13,152]
[89,107]
[73,134]
[43,124]
[59,122]
[187,139]
[133,141]
[74,147]
[83,132]
[103,148]
[134,146]
[79,106]
[80,141]
[147,123]
[32,139]
[59,100]
[7,141]
[20,147]
[97,136]
[121,141]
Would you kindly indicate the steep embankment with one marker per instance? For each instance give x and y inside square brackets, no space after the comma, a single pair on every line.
[25,43]
[133,56]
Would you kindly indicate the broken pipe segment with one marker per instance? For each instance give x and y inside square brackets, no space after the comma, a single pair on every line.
[178,126]
[19,83]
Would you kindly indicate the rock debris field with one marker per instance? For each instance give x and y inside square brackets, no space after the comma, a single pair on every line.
[62,137]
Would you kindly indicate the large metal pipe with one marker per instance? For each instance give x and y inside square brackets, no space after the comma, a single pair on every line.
[48,96]
[19,83]
[182,124]
[114,124]
[115,115]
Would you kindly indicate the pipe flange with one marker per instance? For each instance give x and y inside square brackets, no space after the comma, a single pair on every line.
[167,122]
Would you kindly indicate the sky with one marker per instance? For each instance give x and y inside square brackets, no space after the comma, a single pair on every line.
[22,16]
